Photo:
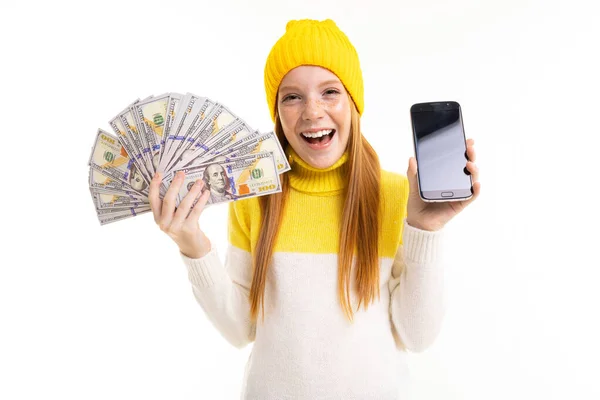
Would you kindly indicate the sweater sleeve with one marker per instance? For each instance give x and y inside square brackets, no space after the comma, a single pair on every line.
[417,305]
[222,290]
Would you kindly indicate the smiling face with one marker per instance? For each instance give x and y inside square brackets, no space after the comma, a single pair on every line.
[314,109]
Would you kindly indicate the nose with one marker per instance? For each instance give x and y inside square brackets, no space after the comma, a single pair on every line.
[313,110]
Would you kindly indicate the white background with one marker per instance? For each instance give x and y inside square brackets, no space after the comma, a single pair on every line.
[90,312]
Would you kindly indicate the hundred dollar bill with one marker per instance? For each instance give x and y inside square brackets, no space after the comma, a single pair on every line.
[254,143]
[193,129]
[173,124]
[129,123]
[193,155]
[152,114]
[188,133]
[226,135]
[98,180]
[145,147]
[116,201]
[218,123]
[110,158]
[244,177]
[135,154]
[107,219]
[131,195]
[195,122]
[122,211]
[183,114]
[197,155]
[220,120]
[172,107]
[201,152]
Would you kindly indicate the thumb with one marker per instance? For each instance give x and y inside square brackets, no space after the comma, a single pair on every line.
[412,167]
[411,174]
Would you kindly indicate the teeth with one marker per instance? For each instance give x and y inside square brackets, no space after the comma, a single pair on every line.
[317,134]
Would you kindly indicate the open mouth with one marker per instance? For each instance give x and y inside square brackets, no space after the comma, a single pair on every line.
[320,137]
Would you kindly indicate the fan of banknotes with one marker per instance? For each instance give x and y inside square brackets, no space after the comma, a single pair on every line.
[174,132]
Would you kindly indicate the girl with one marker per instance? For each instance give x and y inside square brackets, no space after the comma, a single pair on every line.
[344,265]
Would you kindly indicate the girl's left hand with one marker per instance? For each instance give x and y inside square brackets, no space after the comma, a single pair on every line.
[433,216]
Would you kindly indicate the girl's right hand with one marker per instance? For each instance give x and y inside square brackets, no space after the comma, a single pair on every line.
[181,224]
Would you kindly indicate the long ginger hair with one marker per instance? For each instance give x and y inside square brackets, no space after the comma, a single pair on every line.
[359,232]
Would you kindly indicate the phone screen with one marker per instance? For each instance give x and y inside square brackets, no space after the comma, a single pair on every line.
[440,151]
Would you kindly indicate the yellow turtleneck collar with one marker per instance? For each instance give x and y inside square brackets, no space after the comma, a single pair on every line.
[308,179]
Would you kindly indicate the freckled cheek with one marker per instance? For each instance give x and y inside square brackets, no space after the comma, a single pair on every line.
[337,106]
[339,109]
[289,118]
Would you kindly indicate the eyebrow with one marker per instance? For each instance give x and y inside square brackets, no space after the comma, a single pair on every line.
[326,83]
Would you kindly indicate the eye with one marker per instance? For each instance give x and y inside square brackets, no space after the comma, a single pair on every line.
[290,97]
[332,92]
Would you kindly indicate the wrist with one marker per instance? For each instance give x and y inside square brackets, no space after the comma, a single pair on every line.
[423,227]
[201,248]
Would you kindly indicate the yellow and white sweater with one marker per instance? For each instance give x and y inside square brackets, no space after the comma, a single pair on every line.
[306,348]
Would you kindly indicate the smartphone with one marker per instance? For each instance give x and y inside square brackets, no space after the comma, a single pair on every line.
[441,151]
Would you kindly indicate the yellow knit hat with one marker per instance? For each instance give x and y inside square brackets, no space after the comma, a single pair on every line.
[311,42]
